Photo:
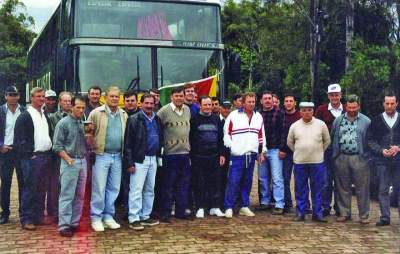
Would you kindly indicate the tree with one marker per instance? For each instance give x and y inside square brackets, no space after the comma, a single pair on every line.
[15,39]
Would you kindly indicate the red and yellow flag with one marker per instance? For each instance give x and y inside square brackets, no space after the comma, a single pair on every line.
[207,86]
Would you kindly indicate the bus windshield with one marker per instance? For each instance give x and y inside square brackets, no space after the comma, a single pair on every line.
[119,65]
[147,20]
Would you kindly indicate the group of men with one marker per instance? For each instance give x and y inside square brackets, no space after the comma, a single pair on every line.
[191,157]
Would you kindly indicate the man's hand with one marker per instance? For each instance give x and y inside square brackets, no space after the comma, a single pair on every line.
[5,149]
[221,160]
[70,162]
[132,170]
[261,158]
[387,153]
[395,150]
[281,155]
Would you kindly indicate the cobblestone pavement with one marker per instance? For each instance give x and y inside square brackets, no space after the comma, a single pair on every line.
[264,233]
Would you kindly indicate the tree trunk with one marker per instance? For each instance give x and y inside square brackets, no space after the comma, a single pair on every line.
[349,30]
[315,33]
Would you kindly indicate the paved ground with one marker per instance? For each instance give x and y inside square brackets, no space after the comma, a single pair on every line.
[264,233]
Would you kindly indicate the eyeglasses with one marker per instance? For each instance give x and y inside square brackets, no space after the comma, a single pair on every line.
[13,94]
[130,100]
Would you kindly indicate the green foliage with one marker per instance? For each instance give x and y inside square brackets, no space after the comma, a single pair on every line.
[273,42]
[15,39]
[369,74]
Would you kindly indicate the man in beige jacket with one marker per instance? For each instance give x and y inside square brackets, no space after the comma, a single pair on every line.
[109,129]
[308,138]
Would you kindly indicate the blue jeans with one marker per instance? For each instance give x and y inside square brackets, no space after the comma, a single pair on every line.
[316,174]
[141,193]
[175,184]
[287,169]
[240,180]
[271,167]
[8,161]
[106,182]
[33,193]
[73,181]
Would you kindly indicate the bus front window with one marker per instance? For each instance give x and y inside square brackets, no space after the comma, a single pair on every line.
[183,65]
[110,65]
[147,20]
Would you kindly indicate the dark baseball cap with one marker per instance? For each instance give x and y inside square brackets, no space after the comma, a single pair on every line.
[11,90]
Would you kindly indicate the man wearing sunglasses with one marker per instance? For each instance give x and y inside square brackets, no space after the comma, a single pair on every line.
[8,161]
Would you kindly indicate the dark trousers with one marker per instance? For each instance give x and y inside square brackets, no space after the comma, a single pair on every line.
[240,180]
[329,188]
[33,192]
[352,169]
[175,184]
[388,173]
[316,174]
[224,169]
[206,178]
[9,161]
[287,167]
[52,186]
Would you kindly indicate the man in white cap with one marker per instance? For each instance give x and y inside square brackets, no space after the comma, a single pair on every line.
[50,102]
[308,138]
[328,113]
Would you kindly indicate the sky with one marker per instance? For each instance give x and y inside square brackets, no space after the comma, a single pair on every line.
[41,11]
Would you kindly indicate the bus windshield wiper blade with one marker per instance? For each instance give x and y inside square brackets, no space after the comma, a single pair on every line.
[135,82]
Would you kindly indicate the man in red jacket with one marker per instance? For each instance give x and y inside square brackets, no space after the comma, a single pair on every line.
[328,113]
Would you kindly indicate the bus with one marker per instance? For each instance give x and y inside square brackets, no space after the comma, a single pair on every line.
[134,45]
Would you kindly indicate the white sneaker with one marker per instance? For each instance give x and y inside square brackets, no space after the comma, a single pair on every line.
[246,212]
[200,213]
[98,226]
[216,212]
[111,224]
[229,213]
[187,212]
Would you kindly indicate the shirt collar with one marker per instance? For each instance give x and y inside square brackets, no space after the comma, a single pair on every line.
[391,117]
[17,109]
[35,110]
[150,118]
[108,110]
[358,116]
[175,108]
[331,108]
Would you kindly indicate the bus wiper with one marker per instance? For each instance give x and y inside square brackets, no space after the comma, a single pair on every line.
[162,76]
[135,82]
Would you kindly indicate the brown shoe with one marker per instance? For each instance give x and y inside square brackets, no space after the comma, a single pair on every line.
[29,227]
[364,221]
[342,218]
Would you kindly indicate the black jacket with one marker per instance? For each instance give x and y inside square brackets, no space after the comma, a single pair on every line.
[3,115]
[24,141]
[136,139]
[380,136]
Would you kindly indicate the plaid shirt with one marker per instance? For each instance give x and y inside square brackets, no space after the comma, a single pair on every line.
[274,128]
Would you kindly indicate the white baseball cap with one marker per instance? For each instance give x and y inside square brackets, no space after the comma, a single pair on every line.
[334,88]
[306,104]
[50,93]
